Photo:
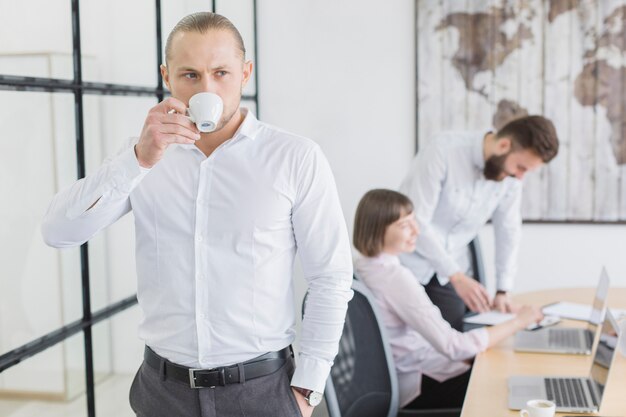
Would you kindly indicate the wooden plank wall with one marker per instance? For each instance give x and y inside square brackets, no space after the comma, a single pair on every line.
[483,62]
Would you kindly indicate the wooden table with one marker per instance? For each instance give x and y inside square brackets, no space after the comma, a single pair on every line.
[487,394]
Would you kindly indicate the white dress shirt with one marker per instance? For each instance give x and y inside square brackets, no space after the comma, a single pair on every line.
[216,240]
[453,201]
[422,342]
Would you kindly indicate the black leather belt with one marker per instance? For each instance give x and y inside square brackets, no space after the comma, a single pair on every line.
[211,378]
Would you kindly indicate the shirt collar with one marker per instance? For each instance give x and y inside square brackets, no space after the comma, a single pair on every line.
[249,128]
[478,153]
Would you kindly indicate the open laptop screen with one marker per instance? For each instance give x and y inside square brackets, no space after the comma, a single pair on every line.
[599,302]
[605,352]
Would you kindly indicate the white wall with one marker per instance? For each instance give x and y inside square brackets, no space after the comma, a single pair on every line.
[561,255]
[342,73]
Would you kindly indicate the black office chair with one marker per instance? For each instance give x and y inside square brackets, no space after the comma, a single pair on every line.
[476,255]
[478,273]
[363,381]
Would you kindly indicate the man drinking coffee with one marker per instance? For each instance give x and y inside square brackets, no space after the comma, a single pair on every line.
[218,219]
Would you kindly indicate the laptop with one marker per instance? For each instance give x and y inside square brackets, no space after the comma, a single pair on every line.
[572,394]
[567,340]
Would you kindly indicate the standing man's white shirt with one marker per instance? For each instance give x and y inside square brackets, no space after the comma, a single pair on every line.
[216,244]
[453,201]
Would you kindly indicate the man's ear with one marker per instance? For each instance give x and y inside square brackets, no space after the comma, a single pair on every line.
[166,76]
[503,146]
[247,72]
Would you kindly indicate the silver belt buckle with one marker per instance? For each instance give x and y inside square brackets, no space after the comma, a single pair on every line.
[192,378]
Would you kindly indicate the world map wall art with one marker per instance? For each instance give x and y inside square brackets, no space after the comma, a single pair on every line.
[481,63]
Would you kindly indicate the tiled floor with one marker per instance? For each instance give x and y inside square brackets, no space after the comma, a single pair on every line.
[111,401]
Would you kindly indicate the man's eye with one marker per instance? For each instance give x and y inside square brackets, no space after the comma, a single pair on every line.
[221,73]
[190,75]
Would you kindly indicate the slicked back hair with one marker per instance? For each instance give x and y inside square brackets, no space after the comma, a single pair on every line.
[202,22]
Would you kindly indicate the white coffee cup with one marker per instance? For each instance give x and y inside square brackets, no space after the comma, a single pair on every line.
[205,110]
[538,408]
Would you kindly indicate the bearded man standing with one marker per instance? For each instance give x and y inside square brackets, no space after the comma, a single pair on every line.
[457,183]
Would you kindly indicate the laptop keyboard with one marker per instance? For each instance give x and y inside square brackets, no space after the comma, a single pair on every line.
[591,391]
[564,338]
[566,392]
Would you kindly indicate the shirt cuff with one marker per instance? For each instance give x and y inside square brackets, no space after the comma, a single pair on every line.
[504,284]
[311,373]
[129,172]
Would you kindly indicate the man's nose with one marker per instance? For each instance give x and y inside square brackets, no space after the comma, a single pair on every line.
[207,85]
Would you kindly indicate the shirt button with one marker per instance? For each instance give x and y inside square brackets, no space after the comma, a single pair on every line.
[199,238]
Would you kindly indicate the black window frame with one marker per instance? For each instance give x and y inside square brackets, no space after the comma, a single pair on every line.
[79,88]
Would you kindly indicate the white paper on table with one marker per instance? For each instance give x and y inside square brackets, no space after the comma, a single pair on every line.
[490,318]
[576,311]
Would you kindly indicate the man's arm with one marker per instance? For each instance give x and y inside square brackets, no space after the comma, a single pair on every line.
[423,186]
[78,212]
[324,249]
[507,226]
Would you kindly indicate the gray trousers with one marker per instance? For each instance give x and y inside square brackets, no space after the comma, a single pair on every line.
[153,395]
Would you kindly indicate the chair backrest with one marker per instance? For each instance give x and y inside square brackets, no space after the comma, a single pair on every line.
[362,382]
[478,273]
[476,255]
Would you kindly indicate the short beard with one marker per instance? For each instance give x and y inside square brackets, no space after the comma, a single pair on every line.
[227,118]
[494,167]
